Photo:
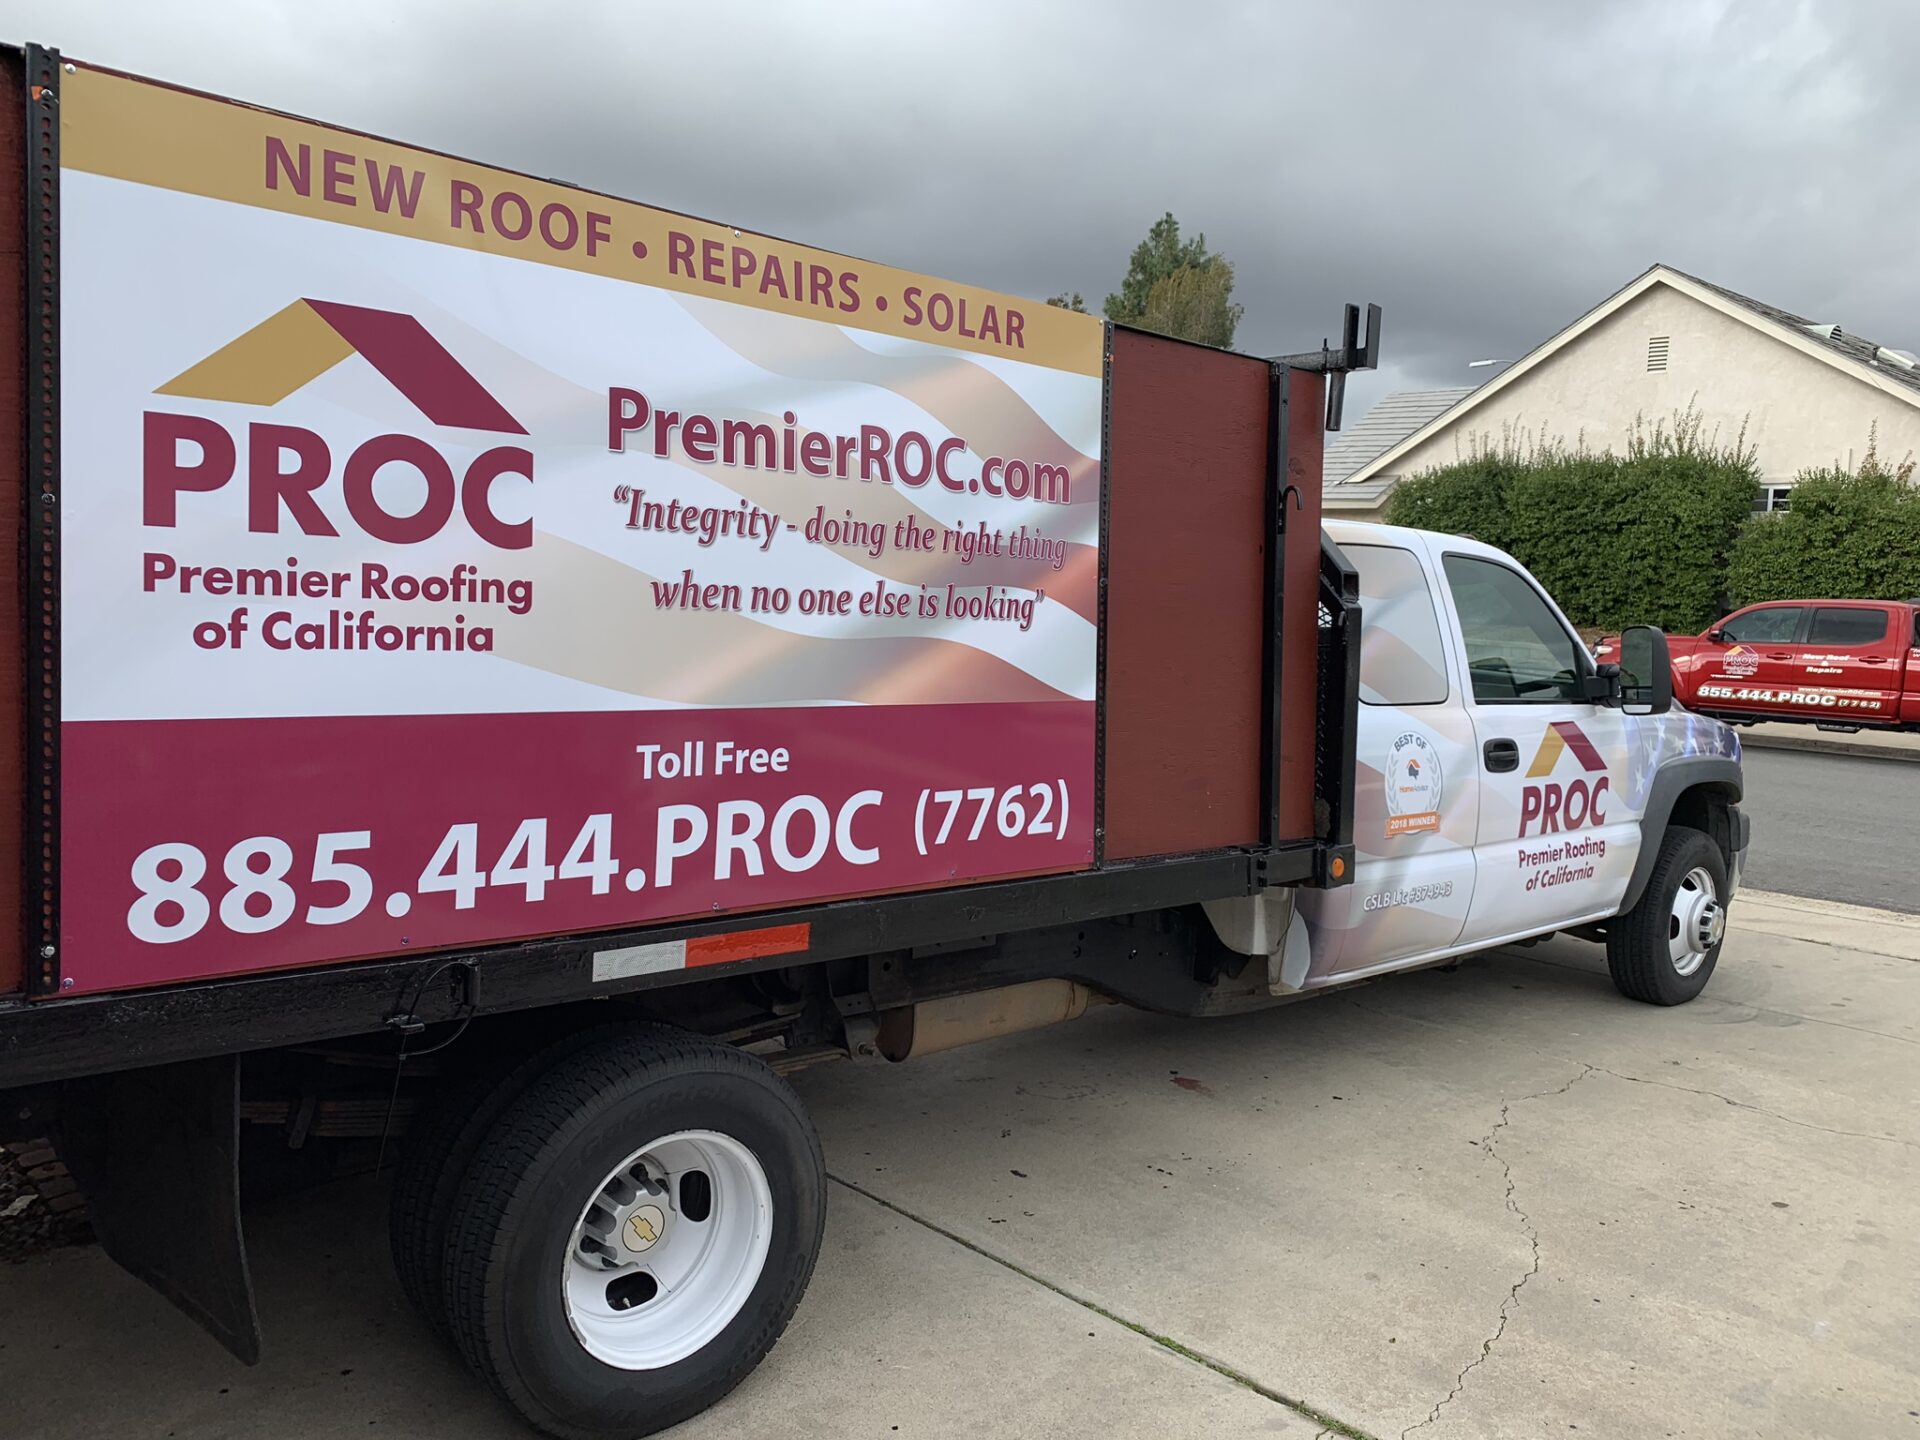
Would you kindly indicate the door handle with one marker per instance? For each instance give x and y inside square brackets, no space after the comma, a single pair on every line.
[1874,659]
[1501,755]
[1780,655]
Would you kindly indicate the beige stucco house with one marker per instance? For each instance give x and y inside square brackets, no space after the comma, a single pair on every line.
[1806,391]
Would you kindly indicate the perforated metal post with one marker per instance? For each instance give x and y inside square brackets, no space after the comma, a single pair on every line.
[40,812]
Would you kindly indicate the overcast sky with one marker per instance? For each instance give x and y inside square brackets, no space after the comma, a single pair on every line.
[1485,169]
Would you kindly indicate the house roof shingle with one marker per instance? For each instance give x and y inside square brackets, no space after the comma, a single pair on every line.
[1391,420]
[1856,348]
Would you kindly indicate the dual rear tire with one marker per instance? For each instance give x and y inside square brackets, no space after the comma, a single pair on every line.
[615,1230]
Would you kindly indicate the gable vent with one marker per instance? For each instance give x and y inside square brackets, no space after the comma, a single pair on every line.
[1657,352]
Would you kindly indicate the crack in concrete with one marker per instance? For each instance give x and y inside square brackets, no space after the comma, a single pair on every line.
[1833,945]
[1757,1109]
[1489,1145]
[1533,1242]
[1668,1084]
[1330,1424]
[1743,1004]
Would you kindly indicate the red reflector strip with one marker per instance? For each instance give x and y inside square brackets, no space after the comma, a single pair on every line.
[748,944]
[662,955]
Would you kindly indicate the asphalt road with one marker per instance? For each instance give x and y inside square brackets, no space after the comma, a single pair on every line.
[1834,827]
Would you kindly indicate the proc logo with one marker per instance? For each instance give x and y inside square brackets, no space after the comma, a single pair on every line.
[284,353]
[1554,806]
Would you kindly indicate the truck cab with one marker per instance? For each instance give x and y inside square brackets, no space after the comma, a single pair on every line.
[1505,786]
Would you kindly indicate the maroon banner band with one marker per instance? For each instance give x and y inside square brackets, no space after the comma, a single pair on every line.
[380,834]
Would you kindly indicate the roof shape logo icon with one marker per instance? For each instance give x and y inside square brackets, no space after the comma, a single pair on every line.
[299,344]
[1563,737]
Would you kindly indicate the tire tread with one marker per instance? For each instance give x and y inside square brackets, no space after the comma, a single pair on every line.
[549,1111]
[439,1147]
[1637,942]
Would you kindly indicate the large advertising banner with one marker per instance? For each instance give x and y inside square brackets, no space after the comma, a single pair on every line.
[451,557]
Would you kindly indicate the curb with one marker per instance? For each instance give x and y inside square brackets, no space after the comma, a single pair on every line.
[1833,909]
[1865,748]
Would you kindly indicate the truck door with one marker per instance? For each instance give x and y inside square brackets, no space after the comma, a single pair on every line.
[1910,671]
[1416,782]
[1752,654]
[1852,656]
[1557,832]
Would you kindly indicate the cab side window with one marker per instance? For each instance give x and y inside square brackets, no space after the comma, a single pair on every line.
[1401,661]
[1847,625]
[1518,652]
[1775,625]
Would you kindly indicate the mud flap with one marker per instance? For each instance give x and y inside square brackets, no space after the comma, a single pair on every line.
[157,1152]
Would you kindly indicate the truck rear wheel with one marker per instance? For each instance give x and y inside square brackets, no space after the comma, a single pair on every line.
[440,1146]
[1663,950]
[633,1233]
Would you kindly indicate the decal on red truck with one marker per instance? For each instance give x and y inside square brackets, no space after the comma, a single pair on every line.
[1811,699]
[451,557]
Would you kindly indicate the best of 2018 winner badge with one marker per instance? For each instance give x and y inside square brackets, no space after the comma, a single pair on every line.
[1414,785]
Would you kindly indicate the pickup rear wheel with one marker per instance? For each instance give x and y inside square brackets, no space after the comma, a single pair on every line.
[634,1233]
[1663,950]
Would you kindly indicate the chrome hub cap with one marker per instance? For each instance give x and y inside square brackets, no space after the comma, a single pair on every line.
[1698,922]
[667,1251]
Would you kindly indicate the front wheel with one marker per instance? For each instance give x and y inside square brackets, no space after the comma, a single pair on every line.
[1663,950]
[634,1233]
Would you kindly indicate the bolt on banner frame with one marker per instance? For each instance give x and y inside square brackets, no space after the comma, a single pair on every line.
[40,799]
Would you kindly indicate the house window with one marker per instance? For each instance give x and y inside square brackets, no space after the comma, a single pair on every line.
[1657,352]
[1773,499]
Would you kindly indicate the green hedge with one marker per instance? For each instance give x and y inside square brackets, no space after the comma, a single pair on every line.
[1639,538]
[1850,535]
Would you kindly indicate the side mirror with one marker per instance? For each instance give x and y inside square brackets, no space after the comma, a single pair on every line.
[1646,672]
[1717,635]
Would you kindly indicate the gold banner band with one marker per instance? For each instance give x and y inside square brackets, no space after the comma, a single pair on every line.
[129,129]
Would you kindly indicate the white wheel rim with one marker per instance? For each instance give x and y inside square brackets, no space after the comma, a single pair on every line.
[637,1303]
[1697,921]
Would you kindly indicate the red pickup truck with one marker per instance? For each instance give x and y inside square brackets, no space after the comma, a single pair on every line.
[1840,664]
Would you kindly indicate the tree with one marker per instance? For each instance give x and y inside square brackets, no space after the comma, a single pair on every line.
[1071,302]
[1200,298]
[1195,304]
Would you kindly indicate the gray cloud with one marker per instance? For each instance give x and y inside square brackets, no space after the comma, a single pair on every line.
[1485,171]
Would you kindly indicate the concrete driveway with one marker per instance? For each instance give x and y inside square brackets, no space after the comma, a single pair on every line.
[1494,1202]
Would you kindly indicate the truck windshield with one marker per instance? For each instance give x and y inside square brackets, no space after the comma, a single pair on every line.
[1518,652]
